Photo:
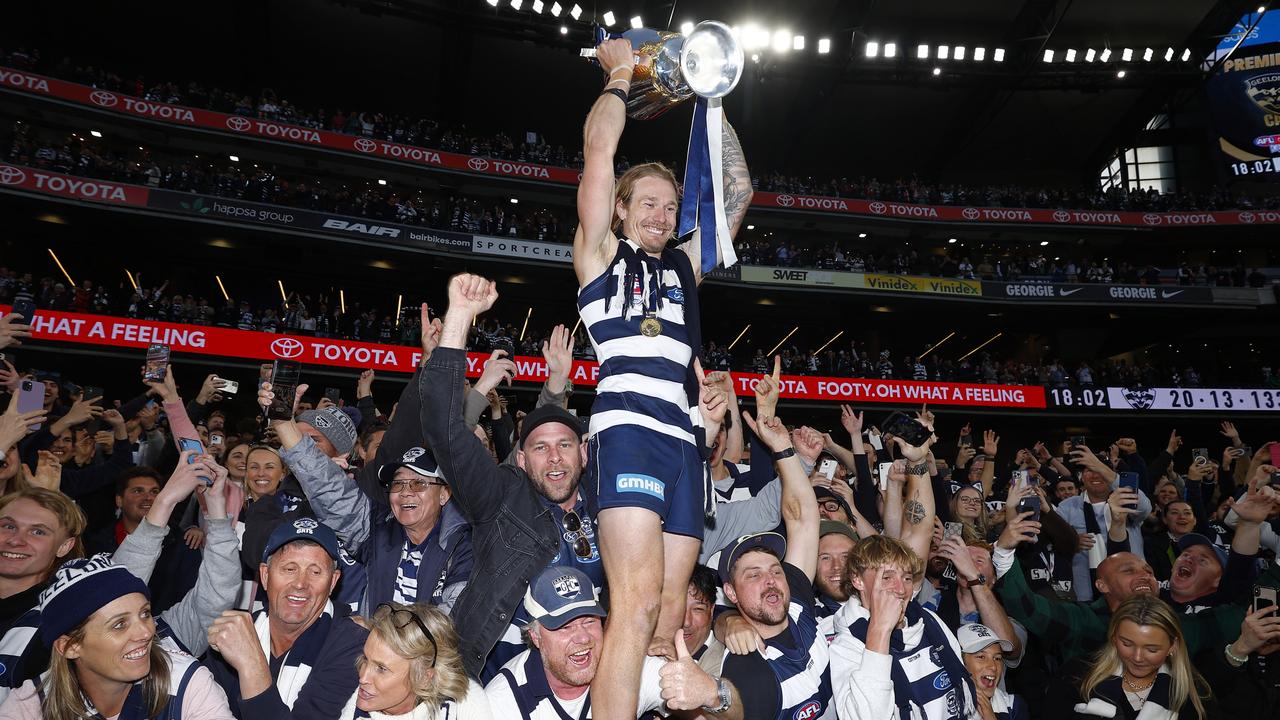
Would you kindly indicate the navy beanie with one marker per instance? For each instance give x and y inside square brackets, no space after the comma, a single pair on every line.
[79,589]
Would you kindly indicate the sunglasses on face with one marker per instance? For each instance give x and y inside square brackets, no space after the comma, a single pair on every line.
[573,526]
[402,618]
[415,485]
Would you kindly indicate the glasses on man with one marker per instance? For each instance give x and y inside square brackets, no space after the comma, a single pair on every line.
[830,506]
[415,485]
[573,526]
[401,618]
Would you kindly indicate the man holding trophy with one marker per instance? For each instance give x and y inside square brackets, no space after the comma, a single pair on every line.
[638,301]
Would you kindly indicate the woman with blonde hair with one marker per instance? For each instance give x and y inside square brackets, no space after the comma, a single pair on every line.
[410,669]
[1143,671]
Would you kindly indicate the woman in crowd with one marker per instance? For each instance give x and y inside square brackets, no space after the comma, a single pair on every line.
[263,471]
[410,669]
[983,654]
[967,507]
[1143,671]
[237,463]
[107,658]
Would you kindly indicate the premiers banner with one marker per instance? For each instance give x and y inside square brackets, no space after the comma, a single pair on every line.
[1100,294]
[1244,98]
[86,329]
[119,103]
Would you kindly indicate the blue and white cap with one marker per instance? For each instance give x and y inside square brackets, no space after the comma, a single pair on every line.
[560,594]
[417,459]
[974,637]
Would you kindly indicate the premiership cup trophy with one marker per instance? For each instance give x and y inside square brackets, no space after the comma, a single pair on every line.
[671,68]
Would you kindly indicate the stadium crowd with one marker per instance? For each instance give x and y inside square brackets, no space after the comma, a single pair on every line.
[87,157]
[436,556]
[268,104]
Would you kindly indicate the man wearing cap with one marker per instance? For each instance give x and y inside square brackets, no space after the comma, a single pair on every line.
[983,653]
[552,679]
[770,580]
[296,657]
[524,517]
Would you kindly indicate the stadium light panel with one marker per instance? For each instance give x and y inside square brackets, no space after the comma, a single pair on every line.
[95,133]
[1148,54]
[1090,55]
[575,12]
[922,52]
[494,3]
[636,23]
[979,54]
[1186,54]
[1168,55]
[686,27]
[797,42]
[944,52]
[824,46]
[890,50]
[515,4]
[781,41]
[381,181]
[1127,55]
[556,9]
[873,49]
[1048,56]
[537,6]
[1071,55]
[999,56]
[608,18]
[232,158]
[959,53]
[1106,55]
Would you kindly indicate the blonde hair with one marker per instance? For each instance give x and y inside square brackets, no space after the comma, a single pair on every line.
[626,186]
[284,468]
[64,699]
[875,552]
[1186,684]
[407,640]
[979,527]
[69,515]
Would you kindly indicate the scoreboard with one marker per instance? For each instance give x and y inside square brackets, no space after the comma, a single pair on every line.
[1164,399]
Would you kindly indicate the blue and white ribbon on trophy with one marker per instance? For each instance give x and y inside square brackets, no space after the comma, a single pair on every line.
[702,207]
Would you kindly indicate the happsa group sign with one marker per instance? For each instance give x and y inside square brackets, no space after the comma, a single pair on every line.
[87,329]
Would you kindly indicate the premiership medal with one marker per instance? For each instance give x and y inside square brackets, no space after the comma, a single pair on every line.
[650,326]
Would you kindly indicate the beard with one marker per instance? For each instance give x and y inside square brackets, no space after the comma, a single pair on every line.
[765,615]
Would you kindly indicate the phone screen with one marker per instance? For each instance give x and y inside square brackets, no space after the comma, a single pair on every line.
[30,398]
[285,375]
[157,366]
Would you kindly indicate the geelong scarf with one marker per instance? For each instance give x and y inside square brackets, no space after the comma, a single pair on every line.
[1109,695]
[300,658]
[929,678]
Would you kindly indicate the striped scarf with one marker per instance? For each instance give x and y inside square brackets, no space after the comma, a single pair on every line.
[930,681]
[300,658]
[1108,699]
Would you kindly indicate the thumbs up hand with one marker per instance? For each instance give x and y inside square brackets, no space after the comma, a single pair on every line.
[685,686]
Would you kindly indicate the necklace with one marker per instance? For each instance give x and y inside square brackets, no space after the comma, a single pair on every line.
[1136,687]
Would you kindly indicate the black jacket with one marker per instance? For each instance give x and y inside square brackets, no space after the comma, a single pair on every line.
[513,532]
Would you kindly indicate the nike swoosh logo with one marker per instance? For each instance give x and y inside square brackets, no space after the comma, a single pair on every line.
[1064,293]
[1166,294]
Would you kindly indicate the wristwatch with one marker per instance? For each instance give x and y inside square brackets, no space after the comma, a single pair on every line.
[726,698]
[980,580]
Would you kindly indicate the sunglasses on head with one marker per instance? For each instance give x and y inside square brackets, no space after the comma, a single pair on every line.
[396,619]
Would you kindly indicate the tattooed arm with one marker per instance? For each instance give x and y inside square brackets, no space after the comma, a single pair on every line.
[737,195]
[918,510]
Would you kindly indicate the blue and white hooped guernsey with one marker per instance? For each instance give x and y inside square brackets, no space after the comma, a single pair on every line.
[642,380]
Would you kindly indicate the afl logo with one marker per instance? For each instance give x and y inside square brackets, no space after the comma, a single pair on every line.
[877,207]
[970,213]
[239,124]
[478,164]
[786,200]
[1152,219]
[1061,216]
[103,98]
[365,145]
[286,348]
[808,711]
[11,175]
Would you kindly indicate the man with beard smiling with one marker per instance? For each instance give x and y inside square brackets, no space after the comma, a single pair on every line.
[552,679]
[835,541]
[524,517]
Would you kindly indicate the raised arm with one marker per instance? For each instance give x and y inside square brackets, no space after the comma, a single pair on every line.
[600,136]
[799,504]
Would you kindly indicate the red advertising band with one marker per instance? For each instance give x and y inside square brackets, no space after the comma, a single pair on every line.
[39,85]
[86,329]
